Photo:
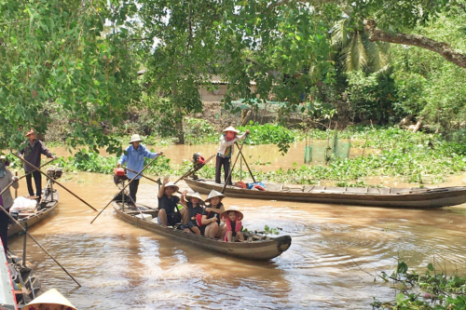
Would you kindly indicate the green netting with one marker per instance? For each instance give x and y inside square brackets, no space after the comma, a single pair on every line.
[326,150]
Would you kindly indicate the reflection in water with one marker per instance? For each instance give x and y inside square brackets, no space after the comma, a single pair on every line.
[334,248]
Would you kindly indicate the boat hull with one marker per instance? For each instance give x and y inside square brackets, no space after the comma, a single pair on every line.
[51,204]
[257,250]
[427,198]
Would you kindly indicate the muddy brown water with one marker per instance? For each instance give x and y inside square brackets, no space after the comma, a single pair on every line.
[265,157]
[336,253]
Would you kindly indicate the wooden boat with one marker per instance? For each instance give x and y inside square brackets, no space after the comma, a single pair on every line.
[49,203]
[423,198]
[19,285]
[27,284]
[256,248]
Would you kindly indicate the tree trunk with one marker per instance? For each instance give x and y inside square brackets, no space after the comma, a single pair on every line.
[441,48]
[179,126]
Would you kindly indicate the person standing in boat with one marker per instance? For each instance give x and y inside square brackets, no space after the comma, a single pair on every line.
[134,158]
[211,215]
[169,214]
[225,151]
[6,201]
[32,153]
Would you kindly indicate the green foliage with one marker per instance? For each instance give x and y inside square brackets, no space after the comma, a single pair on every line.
[270,134]
[372,96]
[439,291]
[60,52]
[428,86]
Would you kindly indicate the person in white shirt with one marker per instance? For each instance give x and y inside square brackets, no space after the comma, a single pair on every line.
[225,151]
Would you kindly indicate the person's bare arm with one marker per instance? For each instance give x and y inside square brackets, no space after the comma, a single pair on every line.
[162,188]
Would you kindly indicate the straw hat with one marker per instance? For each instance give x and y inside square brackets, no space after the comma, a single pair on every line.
[135,138]
[171,184]
[50,298]
[239,214]
[231,128]
[214,194]
[30,132]
[195,195]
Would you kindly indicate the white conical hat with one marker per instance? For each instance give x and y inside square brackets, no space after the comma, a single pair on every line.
[171,184]
[51,297]
[135,138]
[239,214]
[231,128]
[195,195]
[214,194]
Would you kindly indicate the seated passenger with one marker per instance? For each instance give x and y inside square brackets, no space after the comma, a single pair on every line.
[195,205]
[211,215]
[169,215]
[232,219]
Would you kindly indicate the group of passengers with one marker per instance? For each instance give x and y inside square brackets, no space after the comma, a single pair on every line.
[202,217]
[199,216]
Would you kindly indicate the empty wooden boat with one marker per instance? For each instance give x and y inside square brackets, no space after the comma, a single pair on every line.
[423,198]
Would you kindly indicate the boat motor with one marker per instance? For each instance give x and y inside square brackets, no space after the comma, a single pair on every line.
[54,172]
[119,176]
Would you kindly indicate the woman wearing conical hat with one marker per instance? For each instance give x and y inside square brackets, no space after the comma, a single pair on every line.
[225,150]
[195,206]
[211,215]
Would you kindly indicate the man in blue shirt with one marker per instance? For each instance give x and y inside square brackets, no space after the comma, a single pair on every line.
[134,158]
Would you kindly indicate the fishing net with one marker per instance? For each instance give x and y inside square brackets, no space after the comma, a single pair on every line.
[326,150]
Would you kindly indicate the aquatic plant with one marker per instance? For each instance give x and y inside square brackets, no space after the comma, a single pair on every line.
[429,291]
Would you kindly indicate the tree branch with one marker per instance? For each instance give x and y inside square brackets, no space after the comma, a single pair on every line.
[441,48]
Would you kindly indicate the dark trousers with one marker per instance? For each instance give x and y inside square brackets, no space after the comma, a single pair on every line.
[4,229]
[225,162]
[133,189]
[37,180]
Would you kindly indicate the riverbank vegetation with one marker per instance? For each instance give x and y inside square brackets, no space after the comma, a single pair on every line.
[419,158]
[432,290]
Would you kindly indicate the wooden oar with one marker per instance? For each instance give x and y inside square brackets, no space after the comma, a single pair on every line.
[234,164]
[56,182]
[37,242]
[194,170]
[153,180]
[43,165]
[244,159]
[140,172]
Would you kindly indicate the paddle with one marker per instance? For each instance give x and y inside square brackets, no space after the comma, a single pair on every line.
[55,181]
[140,172]
[234,164]
[244,159]
[37,242]
[194,170]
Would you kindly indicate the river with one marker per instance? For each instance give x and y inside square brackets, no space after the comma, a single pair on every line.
[336,253]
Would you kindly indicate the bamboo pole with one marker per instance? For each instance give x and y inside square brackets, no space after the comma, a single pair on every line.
[58,183]
[232,167]
[140,172]
[244,159]
[40,245]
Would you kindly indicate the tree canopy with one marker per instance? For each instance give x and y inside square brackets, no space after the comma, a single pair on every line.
[82,58]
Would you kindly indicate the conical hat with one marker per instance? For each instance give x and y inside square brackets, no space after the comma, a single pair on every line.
[231,128]
[51,297]
[214,194]
[195,195]
[239,214]
[171,184]
[135,138]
